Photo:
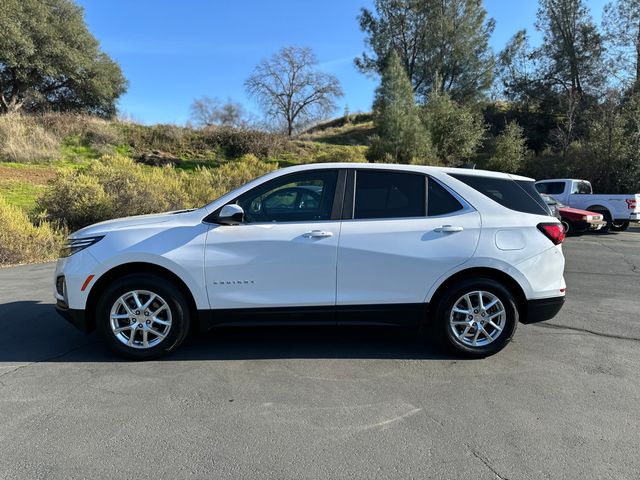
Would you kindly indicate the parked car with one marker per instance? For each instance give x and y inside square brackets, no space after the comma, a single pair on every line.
[553,205]
[574,220]
[617,210]
[465,254]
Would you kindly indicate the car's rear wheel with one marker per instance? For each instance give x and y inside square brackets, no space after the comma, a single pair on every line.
[477,317]
[143,316]
[619,226]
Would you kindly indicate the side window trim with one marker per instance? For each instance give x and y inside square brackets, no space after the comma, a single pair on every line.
[348,211]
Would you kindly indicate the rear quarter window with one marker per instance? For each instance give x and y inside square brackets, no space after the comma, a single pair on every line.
[518,195]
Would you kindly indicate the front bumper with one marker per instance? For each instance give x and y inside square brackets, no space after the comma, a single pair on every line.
[77,318]
[596,225]
[542,309]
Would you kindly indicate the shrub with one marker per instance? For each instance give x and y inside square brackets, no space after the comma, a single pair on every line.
[236,142]
[234,174]
[118,187]
[23,242]
[75,199]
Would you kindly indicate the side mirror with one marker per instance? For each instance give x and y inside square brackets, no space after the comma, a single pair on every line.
[231,214]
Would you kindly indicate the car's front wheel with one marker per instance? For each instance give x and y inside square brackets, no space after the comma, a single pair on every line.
[477,317]
[143,316]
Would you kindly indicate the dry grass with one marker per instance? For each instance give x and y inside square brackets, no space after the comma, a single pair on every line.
[22,139]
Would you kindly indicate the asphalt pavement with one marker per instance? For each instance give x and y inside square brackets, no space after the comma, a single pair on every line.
[561,401]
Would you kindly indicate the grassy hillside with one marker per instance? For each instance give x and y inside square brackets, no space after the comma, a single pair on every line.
[59,172]
[34,149]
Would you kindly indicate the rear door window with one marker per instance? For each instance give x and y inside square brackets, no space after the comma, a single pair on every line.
[386,194]
[518,195]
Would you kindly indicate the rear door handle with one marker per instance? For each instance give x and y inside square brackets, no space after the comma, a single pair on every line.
[317,234]
[448,228]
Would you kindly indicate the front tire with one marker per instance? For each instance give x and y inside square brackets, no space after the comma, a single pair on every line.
[143,316]
[477,317]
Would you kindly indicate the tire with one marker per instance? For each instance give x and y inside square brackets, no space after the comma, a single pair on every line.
[568,227]
[619,226]
[162,333]
[449,332]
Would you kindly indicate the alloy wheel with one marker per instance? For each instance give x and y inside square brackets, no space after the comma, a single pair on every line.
[477,318]
[140,319]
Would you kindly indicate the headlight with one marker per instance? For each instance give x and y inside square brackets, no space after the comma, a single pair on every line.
[76,244]
[588,218]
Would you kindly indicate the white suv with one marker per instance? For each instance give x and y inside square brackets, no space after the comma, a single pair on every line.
[466,253]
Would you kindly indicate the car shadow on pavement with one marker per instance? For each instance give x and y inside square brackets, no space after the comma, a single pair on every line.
[33,332]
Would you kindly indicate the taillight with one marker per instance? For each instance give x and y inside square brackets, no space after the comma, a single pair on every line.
[631,204]
[553,231]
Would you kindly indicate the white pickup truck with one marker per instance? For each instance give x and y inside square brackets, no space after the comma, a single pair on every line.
[618,210]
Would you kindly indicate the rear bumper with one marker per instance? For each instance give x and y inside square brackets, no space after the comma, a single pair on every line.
[543,309]
[77,318]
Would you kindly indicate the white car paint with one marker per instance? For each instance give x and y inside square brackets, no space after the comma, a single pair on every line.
[392,261]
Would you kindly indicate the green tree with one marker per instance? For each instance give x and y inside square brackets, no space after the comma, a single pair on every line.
[456,131]
[49,60]
[442,44]
[621,21]
[401,136]
[572,48]
[510,150]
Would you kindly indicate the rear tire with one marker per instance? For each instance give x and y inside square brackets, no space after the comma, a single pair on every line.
[485,327]
[146,307]
[619,226]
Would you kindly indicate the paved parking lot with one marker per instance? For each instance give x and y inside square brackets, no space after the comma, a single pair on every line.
[562,401]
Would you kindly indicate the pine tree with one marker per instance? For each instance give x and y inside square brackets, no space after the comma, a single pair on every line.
[401,136]
[510,149]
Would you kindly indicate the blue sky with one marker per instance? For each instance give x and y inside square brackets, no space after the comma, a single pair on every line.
[174,51]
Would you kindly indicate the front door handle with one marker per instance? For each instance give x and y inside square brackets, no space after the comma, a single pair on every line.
[448,228]
[317,234]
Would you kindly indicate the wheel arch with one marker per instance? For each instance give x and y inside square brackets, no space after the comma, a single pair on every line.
[599,209]
[484,272]
[131,269]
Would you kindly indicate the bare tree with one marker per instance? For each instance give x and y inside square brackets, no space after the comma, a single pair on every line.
[208,111]
[291,90]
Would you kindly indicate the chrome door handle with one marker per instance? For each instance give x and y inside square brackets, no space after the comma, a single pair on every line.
[448,228]
[317,234]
